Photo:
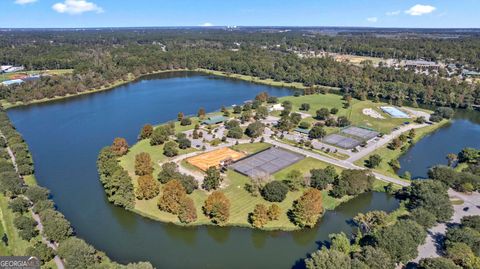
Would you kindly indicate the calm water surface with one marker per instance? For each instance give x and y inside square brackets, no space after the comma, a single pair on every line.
[463,131]
[66,136]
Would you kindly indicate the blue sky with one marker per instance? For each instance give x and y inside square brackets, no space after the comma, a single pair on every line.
[124,13]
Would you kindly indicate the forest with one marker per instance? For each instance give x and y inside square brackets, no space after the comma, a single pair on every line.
[104,57]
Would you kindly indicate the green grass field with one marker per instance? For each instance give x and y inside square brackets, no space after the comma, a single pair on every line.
[354,113]
[242,202]
[16,245]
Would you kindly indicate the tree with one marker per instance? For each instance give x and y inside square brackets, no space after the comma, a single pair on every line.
[237,109]
[334,110]
[374,161]
[401,240]
[147,187]
[262,97]
[275,191]
[321,178]
[201,112]
[343,121]
[235,132]
[188,182]
[212,179]
[119,146]
[341,243]
[146,132]
[183,141]
[432,196]
[172,197]
[466,235]
[375,258]
[37,193]
[169,171]
[261,113]
[469,155]
[423,217]
[9,183]
[317,132]
[186,122]
[26,227]
[159,136]
[259,216]
[305,107]
[77,253]
[304,125]
[55,226]
[180,116]
[43,205]
[273,212]
[308,208]
[170,149]
[437,263]
[352,182]
[187,212]
[322,113]
[19,205]
[255,129]
[462,255]
[370,221]
[328,259]
[143,164]
[217,207]
[41,251]
[294,180]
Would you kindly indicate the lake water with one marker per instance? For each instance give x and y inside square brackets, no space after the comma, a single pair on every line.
[66,136]
[463,131]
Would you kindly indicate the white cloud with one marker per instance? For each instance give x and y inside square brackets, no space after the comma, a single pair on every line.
[393,13]
[372,19]
[419,10]
[74,7]
[24,2]
[206,24]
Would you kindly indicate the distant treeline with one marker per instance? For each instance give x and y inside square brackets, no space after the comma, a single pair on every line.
[105,57]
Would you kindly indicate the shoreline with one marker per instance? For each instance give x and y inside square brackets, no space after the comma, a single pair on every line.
[269,82]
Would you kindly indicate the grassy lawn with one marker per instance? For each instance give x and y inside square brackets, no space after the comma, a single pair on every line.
[251,148]
[388,154]
[16,245]
[242,202]
[354,113]
[156,154]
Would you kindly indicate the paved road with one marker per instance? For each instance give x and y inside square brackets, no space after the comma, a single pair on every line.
[372,146]
[433,243]
[341,163]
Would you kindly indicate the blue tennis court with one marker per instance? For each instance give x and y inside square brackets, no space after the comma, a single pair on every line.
[395,112]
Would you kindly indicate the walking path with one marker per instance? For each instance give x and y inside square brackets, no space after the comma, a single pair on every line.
[58,261]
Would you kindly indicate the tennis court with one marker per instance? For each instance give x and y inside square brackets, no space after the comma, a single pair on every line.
[341,141]
[362,133]
[266,162]
[215,158]
[395,112]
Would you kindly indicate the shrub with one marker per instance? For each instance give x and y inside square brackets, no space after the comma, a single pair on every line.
[275,191]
